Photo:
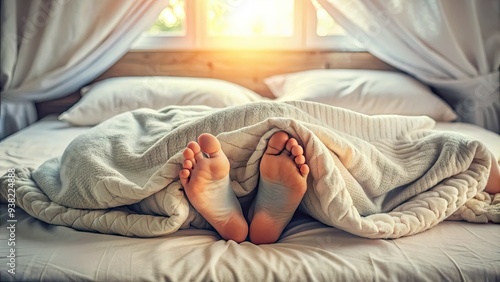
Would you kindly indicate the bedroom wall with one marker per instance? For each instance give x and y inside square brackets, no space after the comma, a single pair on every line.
[246,68]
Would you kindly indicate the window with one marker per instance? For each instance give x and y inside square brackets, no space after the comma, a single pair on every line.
[254,24]
[249,18]
[172,20]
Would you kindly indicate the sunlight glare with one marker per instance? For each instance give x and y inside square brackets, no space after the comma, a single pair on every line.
[250,18]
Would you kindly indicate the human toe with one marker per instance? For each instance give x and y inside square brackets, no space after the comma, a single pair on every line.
[290,143]
[277,143]
[209,144]
[297,150]
[299,160]
[187,164]
[304,170]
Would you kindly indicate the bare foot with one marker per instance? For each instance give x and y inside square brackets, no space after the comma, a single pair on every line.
[205,178]
[493,184]
[283,175]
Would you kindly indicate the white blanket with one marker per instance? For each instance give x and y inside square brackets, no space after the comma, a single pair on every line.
[376,177]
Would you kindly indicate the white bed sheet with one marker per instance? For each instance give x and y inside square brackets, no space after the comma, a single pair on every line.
[307,251]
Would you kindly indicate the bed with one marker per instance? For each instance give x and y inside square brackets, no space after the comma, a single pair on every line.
[307,250]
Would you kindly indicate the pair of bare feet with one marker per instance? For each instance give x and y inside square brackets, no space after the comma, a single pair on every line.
[282,184]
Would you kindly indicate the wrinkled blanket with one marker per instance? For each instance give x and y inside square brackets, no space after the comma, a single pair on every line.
[374,176]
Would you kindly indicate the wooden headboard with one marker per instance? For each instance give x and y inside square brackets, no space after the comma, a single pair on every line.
[246,68]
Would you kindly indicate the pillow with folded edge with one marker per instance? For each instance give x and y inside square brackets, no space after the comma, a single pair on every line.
[370,92]
[107,98]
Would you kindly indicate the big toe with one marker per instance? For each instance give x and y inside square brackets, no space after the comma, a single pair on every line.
[277,143]
[209,144]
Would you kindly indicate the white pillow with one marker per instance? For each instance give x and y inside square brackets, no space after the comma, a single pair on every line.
[366,91]
[107,98]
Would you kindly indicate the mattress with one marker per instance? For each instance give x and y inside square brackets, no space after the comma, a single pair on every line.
[306,251]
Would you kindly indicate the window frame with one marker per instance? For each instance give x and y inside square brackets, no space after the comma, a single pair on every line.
[196,36]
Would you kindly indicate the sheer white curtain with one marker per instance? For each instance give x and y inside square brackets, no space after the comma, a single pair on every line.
[50,48]
[451,45]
